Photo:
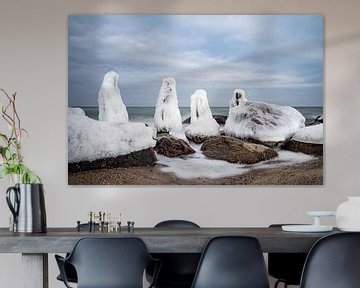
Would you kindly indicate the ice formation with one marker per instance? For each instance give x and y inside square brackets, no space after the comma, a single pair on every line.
[90,139]
[261,121]
[167,114]
[310,134]
[238,97]
[202,123]
[111,106]
[76,112]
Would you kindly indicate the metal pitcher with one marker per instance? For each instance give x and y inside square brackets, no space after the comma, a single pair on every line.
[28,207]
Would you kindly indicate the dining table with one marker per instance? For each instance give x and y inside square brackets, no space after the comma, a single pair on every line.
[35,247]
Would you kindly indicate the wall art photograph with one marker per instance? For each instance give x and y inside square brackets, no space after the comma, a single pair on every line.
[195,99]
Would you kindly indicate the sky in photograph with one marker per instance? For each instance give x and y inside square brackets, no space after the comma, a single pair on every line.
[274,58]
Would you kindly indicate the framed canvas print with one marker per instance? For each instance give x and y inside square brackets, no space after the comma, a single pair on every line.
[195,99]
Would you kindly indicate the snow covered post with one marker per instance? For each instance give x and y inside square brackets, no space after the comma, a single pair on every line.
[237,98]
[199,106]
[202,123]
[167,114]
[111,106]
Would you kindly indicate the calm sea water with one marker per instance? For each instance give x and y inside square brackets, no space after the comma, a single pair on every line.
[146,114]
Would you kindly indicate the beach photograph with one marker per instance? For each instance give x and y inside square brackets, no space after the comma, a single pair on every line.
[195,100]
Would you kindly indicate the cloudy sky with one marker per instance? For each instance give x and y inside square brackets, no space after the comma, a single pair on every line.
[276,59]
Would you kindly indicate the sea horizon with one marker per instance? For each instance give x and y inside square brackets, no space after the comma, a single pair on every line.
[295,106]
[146,114]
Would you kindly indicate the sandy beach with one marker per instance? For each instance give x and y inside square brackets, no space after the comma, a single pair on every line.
[307,173]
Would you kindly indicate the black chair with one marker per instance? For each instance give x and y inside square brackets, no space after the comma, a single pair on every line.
[176,224]
[232,262]
[333,262]
[70,273]
[69,269]
[178,269]
[108,262]
[286,267]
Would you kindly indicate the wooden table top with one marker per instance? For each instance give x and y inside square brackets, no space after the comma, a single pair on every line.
[158,240]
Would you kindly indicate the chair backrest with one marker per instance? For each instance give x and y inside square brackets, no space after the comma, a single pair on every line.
[178,269]
[286,266]
[176,224]
[333,262]
[232,262]
[110,262]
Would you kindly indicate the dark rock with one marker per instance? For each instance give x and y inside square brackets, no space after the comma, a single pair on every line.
[146,157]
[220,119]
[234,150]
[317,120]
[307,148]
[162,134]
[173,147]
[186,121]
[196,139]
[271,144]
[163,131]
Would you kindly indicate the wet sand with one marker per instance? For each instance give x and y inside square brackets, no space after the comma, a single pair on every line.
[308,173]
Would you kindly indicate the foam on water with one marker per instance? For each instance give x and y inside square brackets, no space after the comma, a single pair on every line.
[198,165]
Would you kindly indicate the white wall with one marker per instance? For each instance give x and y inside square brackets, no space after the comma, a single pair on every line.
[33,62]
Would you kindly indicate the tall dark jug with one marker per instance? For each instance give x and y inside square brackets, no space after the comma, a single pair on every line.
[28,207]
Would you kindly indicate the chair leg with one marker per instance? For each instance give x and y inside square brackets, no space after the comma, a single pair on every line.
[278,282]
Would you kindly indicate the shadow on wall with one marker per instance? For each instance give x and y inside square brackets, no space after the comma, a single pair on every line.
[344,39]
